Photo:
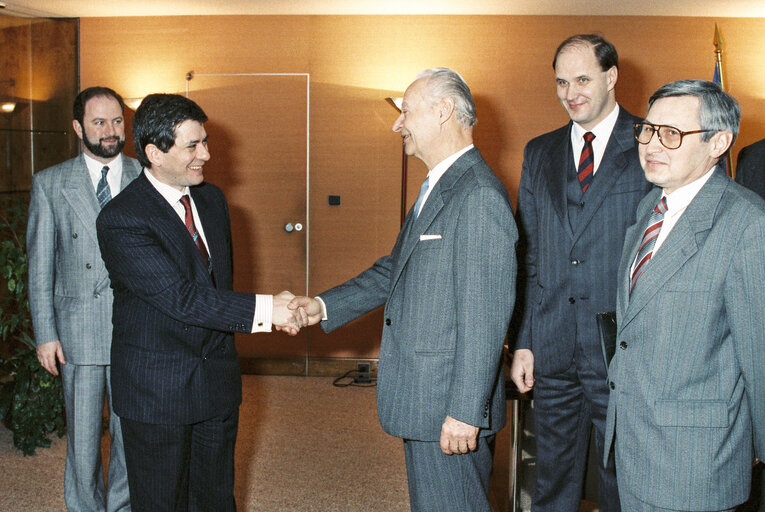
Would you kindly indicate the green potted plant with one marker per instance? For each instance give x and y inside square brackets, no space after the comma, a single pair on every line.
[31,399]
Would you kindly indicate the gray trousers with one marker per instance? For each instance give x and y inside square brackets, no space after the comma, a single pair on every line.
[85,389]
[448,483]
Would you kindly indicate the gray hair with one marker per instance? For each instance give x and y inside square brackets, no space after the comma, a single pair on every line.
[718,110]
[447,83]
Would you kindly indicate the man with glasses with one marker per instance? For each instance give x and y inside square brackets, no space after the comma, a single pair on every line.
[579,189]
[686,414]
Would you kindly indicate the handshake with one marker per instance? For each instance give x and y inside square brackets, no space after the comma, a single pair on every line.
[291,313]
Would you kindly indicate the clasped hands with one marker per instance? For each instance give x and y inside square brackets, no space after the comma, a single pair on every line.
[291,313]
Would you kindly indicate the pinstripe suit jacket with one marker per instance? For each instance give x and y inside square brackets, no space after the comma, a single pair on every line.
[570,273]
[173,354]
[69,295]
[687,406]
[448,301]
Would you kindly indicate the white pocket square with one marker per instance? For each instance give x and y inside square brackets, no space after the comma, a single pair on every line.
[430,237]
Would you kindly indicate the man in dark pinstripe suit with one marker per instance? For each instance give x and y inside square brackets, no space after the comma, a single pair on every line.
[166,241]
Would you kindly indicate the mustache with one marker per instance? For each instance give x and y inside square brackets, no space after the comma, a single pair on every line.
[109,139]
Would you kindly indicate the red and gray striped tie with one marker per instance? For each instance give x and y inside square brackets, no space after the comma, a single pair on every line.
[586,162]
[649,240]
[186,202]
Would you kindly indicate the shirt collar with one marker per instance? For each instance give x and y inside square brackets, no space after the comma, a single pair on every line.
[94,166]
[602,130]
[171,194]
[436,172]
[679,199]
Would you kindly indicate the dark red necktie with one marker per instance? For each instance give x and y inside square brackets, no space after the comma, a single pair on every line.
[586,162]
[186,202]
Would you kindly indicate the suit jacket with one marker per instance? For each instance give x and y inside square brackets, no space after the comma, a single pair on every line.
[687,405]
[173,354]
[570,273]
[750,167]
[69,295]
[448,289]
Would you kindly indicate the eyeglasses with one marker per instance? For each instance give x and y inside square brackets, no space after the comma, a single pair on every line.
[669,136]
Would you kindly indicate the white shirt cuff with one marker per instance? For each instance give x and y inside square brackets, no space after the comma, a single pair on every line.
[264,307]
[323,309]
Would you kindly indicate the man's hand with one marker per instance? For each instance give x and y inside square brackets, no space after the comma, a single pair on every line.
[458,437]
[522,369]
[311,307]
[48,353]
[287,320]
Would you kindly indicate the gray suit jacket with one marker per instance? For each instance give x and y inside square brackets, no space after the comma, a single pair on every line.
[687,404]
[448,287]
[69,294]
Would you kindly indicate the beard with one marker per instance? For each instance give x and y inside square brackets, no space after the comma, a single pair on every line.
[102,151]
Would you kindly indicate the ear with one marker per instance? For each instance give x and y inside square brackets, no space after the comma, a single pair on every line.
[612,75]
[77,128]
[154,155]
[445,109]
[720,142]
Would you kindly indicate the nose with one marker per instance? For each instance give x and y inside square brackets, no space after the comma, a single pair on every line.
[654,145]
[398,123]
[202,152]
[109,129]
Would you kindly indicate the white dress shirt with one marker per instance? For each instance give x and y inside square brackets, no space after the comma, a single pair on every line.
[113,177]
[261,321]
[602,133]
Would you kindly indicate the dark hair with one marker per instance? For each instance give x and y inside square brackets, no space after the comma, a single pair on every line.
[718,110]
[157,118]
[604,51]
[78,109]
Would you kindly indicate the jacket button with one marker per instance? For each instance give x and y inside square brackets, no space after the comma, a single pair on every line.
[623,345]
[612,385]
[571,300]
[96,295]
[74,235]
[88,266]
[387,321]
[575,262]
[486,415]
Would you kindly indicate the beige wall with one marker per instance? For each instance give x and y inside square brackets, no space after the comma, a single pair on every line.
[356,61]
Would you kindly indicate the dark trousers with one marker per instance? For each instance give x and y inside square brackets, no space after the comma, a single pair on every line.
[181,468]
[566,406]
[448,483]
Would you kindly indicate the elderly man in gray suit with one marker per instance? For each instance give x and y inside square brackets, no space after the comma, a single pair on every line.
[686,412]
[70,298]
[448,288]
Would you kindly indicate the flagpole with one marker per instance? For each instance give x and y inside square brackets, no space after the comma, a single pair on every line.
[718,52]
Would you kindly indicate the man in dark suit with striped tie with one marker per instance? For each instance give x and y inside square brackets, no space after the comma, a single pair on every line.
[579,188]
[166,242]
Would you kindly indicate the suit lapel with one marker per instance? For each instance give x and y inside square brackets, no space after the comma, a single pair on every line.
[79,193]
[557,161]
[612,165]
[679,246]
[439,196]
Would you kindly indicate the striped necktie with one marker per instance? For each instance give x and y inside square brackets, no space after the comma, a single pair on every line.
[103,194]
[649,240]
[186,202]
[586,162]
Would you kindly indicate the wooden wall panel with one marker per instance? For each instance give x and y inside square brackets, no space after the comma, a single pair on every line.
[356,61]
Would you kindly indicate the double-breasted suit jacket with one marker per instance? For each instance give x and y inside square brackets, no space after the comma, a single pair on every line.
[448,287]
[69,295]
[173,354]
[687,404]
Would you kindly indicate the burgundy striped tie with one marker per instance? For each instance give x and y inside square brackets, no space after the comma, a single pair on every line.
[586,162]
[186,202]
[649,240]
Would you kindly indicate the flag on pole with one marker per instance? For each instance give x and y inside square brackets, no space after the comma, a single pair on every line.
[717,78]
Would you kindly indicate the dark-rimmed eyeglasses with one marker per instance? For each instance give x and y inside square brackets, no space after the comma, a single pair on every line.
[669,136]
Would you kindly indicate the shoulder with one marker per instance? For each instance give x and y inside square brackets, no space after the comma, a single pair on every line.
[58,171]
[131,163]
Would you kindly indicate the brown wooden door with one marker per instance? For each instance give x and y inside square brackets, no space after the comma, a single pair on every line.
[258,133]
